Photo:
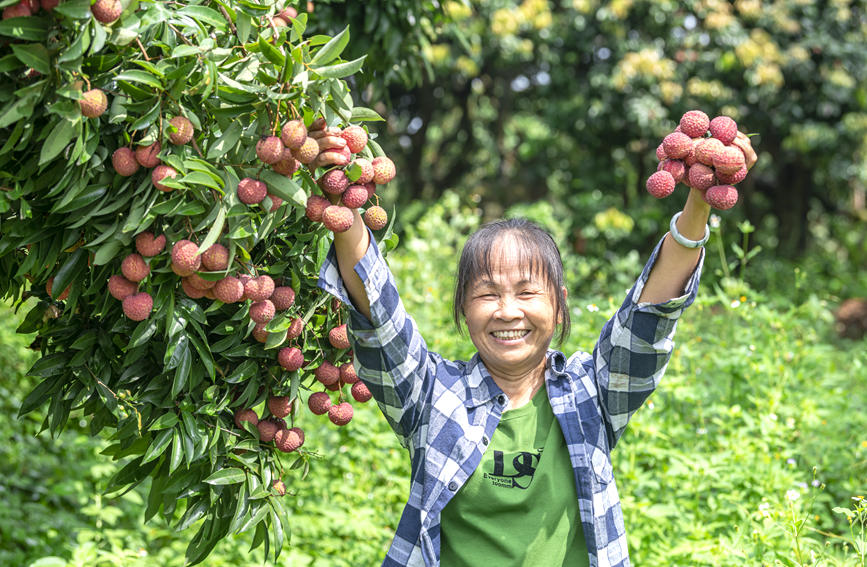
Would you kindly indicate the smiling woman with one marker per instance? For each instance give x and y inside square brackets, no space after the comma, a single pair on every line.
[510,450]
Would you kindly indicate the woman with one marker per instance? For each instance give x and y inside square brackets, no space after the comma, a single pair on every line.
[500,475]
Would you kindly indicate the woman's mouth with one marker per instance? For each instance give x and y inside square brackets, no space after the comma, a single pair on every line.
[510,336]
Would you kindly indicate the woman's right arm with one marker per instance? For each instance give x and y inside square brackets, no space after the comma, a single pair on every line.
[350,247]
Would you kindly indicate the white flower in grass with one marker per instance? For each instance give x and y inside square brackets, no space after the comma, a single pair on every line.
[714,221]
[592,307]
[792,495]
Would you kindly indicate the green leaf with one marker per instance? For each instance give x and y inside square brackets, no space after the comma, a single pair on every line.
[273,54]
[143,77]
[216,228]
[158,445]
[28,29]
[177,452]
[363,114]
[226,476]
[60,136]
[205,15]
[242,372]
[331,50]
[34,55]
[75,9]
[226,141]
[166,420]
[340,70]
[69,271]
[284,187]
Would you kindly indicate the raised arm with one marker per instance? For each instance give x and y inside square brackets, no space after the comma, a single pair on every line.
[350,247]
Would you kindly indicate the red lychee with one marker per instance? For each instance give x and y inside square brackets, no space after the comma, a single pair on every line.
[729,160]
[246,414]
[215,258]
[180,130]
[294,134]
[267,430]
[354,196]
[356,138]
[677,145]
[123,161]
[185,255]
[120,288]
[724,129]
[722,197]
[660,184]
[134,268]
[706,149]
[19,10]
[279,406]
[138,306]
[376,218]
[148,245]
[199,282]
[251,191]
[360,392]
[327,373]
[675,167]
[229,290]
[347,373]
[148,156]
[660,153]
[295,328]
[49,286]
[287,164]
[290,358]
[161,172]
[307,152]
[694,123]
[366,171]
[93,103]
[288,440]
[49,5]
[316,205]
[260,288]
[192,291]
[734,178]
[701,177]
[338,337]
[276,202]
[337,218]
[383,170]
[334,182]
[259,333]
[269,149]
[340,414]
[262,311]
[106,11]
[283,297]
[319,403]
[288,13]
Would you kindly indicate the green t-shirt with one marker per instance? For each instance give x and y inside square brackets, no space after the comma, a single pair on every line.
[519,508]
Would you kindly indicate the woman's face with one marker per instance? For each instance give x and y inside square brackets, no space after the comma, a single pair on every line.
[511,318]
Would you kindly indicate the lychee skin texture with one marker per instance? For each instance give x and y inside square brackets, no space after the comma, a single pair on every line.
[677,145]
[356,138]
[50,284]
[246,415]
[244,278]
[337,218]
[287,164]
[106,11]
[267,430]
[19,10]
[269,149]
[288,440]
[215,258]
[199,282]
[734,178]
[192,291]
[706,149]
[184,130]
[93,103]
[134,268]
[293,134]
[690,159]
[283,297]
[259,333]
[730,160]
[307,152]
[251,191]
[347,373]
[722,197]
[316,205]
[262,311]
[276,202]
[120,288]
[138,306]
[327,373]
[660,153]
[701,177]
[354,196]
[383,170]
[675,167]
[148,156]
[161,172]
[290,358]
[694,123]
[319,403]
[366,171]
[660,184]
[360,392]
[724,129]
[294,330]
[148,245]
[229,290]
[178,271]
[338,337]
[334,182]
[259,289]
[185,255]
[49,5]
[279,406]
[376,218]
[340,414]
[123,161]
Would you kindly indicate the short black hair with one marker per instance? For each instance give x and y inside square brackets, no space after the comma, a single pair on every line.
[537,251]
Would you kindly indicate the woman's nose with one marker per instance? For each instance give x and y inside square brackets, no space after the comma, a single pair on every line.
[508,308]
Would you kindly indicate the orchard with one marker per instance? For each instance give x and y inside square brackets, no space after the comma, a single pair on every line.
[171,175]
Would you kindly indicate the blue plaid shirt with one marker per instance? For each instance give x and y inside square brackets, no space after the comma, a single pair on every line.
[445,412]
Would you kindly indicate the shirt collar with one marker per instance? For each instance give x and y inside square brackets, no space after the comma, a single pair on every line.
[481,388]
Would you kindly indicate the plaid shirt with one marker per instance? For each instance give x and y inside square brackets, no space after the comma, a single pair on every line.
[445,412]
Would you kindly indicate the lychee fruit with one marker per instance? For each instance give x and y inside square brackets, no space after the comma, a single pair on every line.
[334,182]
[660,184]
[106,11]
[123,161]
[316,205]
[338,337]
[161,172]
[199,282]
[260,288]
[49,5]
[340,414]
[376,218]
[269,149]
[50,284]
[356,138]
[660,153]
[251,191]
[354,196]
[185,255]
[383,170]
[192,291]
[19,10]
[729,160]
[724,129]
[276,202]
[267,430]
[307,152]
[134,268]
[279,406]
[290,358]
[215,258]
[295,328]
[229,290]
[694,123]
[259,333]
[734,178]
[93,103]
[262,311]
[337,218]
[138,306]
[706,149]
[182,131]
[283,297]
[148,156]
[335,387]
[722,197]
[689,160]
[244,278]
[366,171]
[288,13]
[327,373]
[677,145]
[701,177]
[287,164]
[288,440]
[319,402]
[347,373]
[120,288]
[675,167]
[148,245]
[294,134]
[360,392]
[246,414]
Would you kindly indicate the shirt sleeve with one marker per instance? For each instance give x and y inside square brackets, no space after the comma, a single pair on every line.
[390,356]
[634,348]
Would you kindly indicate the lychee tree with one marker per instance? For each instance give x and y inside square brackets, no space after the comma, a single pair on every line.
[171,176]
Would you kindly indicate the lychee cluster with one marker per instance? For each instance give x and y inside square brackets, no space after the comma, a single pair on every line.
[273,428]
[26,8]
[134,269]
[703,154]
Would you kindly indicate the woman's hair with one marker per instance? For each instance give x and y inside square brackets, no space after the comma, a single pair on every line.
[537,254]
